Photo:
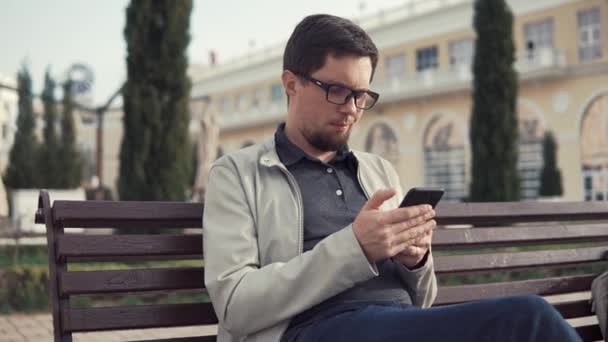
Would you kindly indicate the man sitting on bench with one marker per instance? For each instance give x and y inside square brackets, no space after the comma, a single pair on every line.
[304,239]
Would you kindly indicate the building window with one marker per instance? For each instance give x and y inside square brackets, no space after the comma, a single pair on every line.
[277,93]
[589,37]
[461,53]
[382,140]
[227,104]
[530,161]
[244,101]
[538,35]
[426,58]
[260,97]
[444,159]
[395,67]
[4,131]
[529,166]
[594,150]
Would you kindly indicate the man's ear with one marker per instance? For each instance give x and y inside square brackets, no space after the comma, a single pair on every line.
[290,82]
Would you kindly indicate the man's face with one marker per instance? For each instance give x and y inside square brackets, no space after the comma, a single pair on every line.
[326,126]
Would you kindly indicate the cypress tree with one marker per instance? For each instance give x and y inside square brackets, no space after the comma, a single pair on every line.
[21,172]
[155,152]
[49,164]
[493,133]
[70,160]
[551,176]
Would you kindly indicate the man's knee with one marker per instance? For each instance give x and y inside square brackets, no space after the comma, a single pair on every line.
[530,304]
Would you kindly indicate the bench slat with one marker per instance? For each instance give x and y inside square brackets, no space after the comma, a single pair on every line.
[137,317]
[155,279]
[528,235]
[511,212]
[457,264]
[546,286]
[590,332]
[575,308]
[129,214]
[80,245]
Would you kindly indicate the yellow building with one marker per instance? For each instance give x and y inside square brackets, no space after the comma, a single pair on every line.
[424,80]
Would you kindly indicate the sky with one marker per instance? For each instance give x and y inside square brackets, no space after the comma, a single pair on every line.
[57,34]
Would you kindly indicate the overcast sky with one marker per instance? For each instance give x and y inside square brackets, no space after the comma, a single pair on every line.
[60,33]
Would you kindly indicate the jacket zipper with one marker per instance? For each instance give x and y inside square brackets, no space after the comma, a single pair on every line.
[361,183]
[294,183]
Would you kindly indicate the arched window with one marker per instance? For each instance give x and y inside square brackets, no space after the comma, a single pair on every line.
[444,158]
[382,140]
[530,161]
[594,149]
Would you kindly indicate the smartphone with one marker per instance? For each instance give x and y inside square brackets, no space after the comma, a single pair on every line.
[417,196]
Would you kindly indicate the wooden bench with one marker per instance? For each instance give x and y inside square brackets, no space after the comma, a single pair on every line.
[459,250]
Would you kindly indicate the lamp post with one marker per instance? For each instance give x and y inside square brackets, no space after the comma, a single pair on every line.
[100,111]
[82,78]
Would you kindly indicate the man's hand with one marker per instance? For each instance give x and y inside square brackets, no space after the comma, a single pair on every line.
[385,234]
[413,254]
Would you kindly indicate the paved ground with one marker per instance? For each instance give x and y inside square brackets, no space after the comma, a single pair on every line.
[39,328]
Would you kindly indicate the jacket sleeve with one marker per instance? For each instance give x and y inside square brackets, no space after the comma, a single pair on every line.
[421,283]
[248,297]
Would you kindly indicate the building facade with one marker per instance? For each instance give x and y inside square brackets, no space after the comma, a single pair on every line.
[424,79]
[8,119]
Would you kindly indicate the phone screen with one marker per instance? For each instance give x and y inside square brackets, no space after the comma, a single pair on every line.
[417,196]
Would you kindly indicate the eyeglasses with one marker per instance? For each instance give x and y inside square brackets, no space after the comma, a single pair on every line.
[339,94]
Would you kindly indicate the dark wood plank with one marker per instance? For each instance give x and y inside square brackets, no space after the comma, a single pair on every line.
[125,214]
[511,236]
[455,264]
[138,317]
[184,339]
[136,258]
[575,308]
[82,245]
[88,282]
[544,287]
[511,212]
[590,332]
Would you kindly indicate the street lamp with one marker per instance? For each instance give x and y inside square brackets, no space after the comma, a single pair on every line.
[100,111]
[82,78]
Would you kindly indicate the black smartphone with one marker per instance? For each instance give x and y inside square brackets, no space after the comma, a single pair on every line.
[417,196]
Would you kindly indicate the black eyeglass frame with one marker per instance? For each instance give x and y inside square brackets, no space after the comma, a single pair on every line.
[353,93]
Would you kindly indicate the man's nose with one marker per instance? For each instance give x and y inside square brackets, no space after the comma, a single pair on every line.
[349,106]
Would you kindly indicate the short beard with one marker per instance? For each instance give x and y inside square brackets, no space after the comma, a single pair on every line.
[326,144]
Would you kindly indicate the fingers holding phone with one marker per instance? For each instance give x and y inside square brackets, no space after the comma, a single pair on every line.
[381,234]
[414,250]
[413,253]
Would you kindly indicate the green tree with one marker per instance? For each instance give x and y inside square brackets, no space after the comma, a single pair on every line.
[49,165]
[69,158]
[21,172]
[493,134]
[155,152]
[550,176]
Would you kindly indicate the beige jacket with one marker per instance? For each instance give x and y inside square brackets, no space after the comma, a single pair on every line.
[257,276]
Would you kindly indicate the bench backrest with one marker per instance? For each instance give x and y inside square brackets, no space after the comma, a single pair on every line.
[543,248]
[136,216]
[460,251]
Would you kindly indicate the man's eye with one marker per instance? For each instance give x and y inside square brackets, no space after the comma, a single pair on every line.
[339,91]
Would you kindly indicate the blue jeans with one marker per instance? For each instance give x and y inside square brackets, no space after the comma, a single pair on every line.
[517,319]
